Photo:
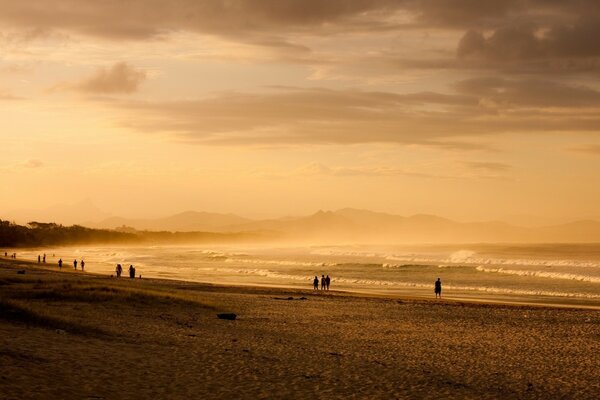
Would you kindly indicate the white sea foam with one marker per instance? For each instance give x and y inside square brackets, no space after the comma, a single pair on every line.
[287,263]
[466,257]
[541,274]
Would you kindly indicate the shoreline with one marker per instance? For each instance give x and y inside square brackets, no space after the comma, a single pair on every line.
[74,335]
[453,299]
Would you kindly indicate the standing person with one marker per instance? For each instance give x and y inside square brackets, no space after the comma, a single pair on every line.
[118,270]
[323,283]
[327,281]
[75,264]
[44,258]
[60,263]
[438,288]
[39,259]
[82,264]
[316,283]
[132,272]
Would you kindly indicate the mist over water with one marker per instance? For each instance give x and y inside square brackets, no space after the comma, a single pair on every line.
[562,274]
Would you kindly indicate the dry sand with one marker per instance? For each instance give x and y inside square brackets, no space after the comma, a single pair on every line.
[78,336]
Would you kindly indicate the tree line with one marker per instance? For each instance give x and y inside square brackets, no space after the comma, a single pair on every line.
[46,234]
[37,234]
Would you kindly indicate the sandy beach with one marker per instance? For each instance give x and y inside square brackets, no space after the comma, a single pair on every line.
[67,335]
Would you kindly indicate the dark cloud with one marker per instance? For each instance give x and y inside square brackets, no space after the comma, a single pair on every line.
[137,19]
[521,35]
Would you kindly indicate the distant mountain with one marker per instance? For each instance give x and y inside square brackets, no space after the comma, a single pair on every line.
[66,214]
[188,221]
[347,225]
[353,225]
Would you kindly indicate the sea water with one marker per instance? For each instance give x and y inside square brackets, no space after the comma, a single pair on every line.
[567,274]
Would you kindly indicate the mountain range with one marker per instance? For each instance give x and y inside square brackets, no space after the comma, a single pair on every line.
[352,225]
[344,225]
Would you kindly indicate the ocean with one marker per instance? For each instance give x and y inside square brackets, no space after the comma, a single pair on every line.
[559,274]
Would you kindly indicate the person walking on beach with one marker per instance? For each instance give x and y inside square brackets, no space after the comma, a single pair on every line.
[82,264]
[44,258]
[327,282]
[438,288]
[316,283]
[60,263]
[118,270]
[132,272]
[75,264]
[323,282]
[39,259]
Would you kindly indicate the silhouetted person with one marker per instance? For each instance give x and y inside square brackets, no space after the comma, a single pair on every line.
[59,263]
[5,254]
[316,283]
[323,283]
[44,259]
[438,288]
[132,272]
[327,282]
[39,259]
[82,264]
[75,264]
[118,270]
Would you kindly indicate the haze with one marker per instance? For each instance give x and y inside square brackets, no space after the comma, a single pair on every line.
[472,110]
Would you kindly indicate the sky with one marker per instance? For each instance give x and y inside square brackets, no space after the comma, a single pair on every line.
[468,109]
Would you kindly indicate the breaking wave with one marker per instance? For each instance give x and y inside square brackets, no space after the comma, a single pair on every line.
[541,274]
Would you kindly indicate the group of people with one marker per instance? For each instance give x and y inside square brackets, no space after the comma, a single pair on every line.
[119,271]
[13,255]
[325,281]
[75,263]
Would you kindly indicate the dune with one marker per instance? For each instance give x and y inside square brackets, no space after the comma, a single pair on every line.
[69,335]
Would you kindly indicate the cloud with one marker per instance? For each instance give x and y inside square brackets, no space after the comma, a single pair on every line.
[529,92]
[593,149]
[141,19]
[519,35]
[118,79]
[315,168]
[487,166]
[32,163]
[529,46]
[325,116]
[7,96]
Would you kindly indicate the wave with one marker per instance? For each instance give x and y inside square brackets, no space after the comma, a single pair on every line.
[541,274]
[461,257]
[287,263]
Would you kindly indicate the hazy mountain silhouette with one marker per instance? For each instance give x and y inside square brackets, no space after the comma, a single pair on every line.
[188,221]
[368,226]
[345,225]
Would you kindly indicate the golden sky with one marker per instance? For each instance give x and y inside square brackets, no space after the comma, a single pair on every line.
[467,109]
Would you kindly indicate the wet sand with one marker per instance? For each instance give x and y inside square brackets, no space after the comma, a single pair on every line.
[81,336]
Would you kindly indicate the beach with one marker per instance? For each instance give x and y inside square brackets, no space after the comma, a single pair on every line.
[73,335]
